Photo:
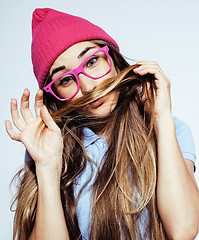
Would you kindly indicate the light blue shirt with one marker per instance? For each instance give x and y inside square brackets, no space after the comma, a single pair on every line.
[96,147]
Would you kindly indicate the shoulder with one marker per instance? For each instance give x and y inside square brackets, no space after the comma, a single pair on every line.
[185,139]
[181,126]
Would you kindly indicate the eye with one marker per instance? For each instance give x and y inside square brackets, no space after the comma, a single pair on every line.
[91,61]
[65,80]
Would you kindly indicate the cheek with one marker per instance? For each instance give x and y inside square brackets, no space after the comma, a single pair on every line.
[111,99]
[78,95]
[113,71]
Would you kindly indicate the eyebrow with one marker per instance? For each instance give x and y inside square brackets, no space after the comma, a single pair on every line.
[57,70]
[85,51]
[79,56]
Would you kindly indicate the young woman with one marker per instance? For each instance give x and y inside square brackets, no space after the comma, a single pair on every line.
[105,158]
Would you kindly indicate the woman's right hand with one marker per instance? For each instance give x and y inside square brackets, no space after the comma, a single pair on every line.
[40,135]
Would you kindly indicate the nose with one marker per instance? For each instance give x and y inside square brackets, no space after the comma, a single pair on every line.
[86,84]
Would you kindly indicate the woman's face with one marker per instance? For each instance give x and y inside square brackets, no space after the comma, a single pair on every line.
[71,59]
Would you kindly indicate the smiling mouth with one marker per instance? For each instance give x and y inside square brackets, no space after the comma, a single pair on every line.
[97,103]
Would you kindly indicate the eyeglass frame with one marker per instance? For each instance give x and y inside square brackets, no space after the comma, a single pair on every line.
[77,71]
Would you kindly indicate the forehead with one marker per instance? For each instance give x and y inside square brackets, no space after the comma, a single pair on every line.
[72,53]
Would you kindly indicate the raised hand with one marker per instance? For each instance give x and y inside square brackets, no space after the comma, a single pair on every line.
[162,97]
[40,135]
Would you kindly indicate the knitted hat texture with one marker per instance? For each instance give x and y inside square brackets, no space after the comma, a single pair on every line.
[53,32]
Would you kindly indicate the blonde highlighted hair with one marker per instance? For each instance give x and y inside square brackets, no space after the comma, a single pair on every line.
[125,185]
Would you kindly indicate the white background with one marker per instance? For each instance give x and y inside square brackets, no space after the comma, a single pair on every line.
[163,31]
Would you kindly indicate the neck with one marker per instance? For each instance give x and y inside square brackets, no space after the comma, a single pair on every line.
[106,133]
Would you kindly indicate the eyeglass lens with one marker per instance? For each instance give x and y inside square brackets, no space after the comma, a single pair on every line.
[96,66]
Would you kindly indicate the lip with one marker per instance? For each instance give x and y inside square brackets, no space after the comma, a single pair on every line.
[95,104]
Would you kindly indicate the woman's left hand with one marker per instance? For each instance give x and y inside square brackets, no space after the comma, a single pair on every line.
[162,98]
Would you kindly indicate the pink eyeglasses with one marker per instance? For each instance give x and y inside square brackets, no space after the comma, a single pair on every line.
[66,86]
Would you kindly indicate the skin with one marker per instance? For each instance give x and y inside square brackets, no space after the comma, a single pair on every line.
[70,60]
[177,192]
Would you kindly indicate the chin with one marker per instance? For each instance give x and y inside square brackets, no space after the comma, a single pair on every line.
[100,114]
[102,111]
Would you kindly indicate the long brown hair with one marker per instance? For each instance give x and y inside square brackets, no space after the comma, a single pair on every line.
[125,185]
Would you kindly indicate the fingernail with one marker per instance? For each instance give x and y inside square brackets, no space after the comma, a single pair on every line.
[40,91]
[26,90]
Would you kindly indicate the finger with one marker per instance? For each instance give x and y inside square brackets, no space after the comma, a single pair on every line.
[18,122]
[13,135]
[38,102]
[143,70]
[162,84]
[25,110]
[147,62]
[152,64]
[160,80]
[47,119]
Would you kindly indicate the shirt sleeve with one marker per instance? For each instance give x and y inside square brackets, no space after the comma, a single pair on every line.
[27,157]
[185,140]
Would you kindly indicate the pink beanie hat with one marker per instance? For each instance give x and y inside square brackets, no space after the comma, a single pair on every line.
[53,32]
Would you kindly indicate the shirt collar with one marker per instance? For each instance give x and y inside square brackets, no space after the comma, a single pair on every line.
[89,137]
